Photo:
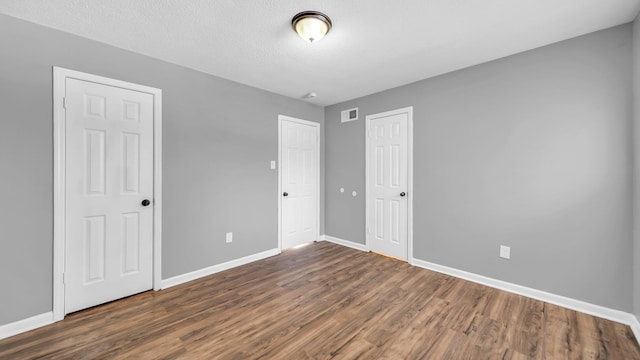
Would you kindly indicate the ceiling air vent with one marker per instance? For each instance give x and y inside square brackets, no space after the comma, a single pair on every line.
[349,115]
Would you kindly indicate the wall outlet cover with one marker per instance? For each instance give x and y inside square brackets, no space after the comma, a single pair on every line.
[229,237]
[505,252]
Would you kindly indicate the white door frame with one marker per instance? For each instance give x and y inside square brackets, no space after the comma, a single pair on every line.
[409,112]
[282,118]
[59,181]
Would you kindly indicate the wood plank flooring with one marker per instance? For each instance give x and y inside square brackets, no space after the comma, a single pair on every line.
[326,301]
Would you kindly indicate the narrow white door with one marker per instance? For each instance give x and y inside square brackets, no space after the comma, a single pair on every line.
[387,183]
[109,184]
[299,145]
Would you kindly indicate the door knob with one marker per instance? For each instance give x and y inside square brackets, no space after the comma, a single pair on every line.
[285,194]
[146,202]
[403,194]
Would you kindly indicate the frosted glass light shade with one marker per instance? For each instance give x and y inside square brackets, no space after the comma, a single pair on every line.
[311,25]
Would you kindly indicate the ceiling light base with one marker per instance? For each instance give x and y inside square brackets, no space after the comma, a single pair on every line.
[311,25]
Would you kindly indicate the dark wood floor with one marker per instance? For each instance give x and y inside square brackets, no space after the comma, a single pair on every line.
[327,301]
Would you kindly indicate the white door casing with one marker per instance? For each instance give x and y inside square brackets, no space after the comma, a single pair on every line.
[299,147]
[107,161]
[388,183]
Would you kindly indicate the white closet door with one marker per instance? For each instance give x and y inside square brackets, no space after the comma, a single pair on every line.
[109,215]
[299,183]
[388,184]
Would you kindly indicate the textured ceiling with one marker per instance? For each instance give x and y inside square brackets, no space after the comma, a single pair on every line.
[374,44]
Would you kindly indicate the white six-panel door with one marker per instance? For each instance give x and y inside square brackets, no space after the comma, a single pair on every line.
[387,183]
[299,141]
[109,173]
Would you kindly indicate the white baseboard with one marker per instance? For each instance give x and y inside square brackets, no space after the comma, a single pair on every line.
[635,327]
[180,279]
[37,321]
[573,304]
[343,242]
[25,325]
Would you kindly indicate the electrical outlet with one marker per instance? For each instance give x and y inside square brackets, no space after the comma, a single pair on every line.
[505,252]
[229,237]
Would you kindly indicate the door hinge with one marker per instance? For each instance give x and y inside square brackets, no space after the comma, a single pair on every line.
[64,278]
[64,102]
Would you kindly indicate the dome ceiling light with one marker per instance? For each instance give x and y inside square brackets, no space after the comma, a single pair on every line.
[311,25]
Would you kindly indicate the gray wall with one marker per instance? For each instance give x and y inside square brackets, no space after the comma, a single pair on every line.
[636,132]
[219,137]
[532,151]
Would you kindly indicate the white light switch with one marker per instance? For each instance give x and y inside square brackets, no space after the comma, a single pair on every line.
[505,252]
[273,164]
[229,237]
